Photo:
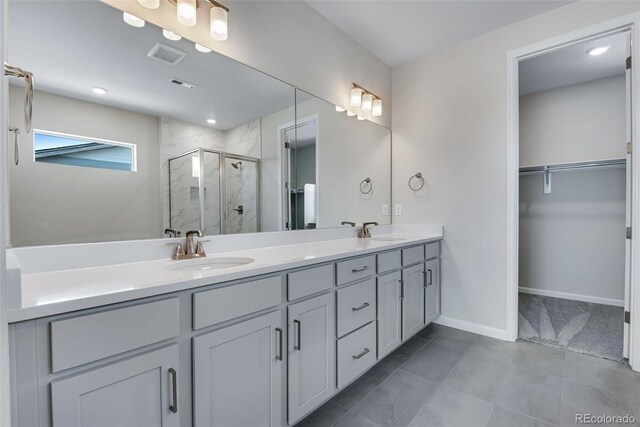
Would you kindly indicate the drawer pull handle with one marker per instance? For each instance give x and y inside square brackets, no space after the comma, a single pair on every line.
[174,376]
[365,305]
[401,289]
[279,354]
[298,346]
[358,270]
[358,356]
[428,278]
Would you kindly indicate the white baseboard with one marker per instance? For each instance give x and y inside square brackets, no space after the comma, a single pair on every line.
[575,297]
[475,328]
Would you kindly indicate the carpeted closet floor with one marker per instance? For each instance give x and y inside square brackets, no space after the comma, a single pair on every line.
[594,329]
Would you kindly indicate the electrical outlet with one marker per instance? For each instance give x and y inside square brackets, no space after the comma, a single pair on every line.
[385,210]
[398,209]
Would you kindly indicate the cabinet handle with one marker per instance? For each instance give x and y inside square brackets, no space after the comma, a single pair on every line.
[358,356]
[365,305]
[279,354]
[358,270]
[401,289]
[297,347]
[174,376]
[429,277]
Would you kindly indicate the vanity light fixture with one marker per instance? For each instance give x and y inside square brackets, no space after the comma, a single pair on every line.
[598,50]
[186,12]
[171,35]
[202,49]
[368,101]
[132,20]
[99,90]
[150,4]
[340,109]
[211,121]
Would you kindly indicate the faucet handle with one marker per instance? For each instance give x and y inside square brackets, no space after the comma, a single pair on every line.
[179,252]
[200,249]
[197,233]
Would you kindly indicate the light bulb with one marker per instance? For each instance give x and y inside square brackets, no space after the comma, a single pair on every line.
[211,121]
[350,113]
[186,12]
[599,50]
[367,100]
[356,97]
[132,20]
[150,4]
[202,49]
[171,35]
[339,109]
[376,108]
[218,28]
[360,117]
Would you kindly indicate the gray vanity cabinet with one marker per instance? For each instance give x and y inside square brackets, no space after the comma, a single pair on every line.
[312,354]
[389,313]
[137,391]
[238,374]
[412,300]
[432,290]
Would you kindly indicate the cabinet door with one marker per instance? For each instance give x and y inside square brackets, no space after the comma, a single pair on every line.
[389,313]
[312,354]
[140,391]
[237,374]
[432,290]
[412,301]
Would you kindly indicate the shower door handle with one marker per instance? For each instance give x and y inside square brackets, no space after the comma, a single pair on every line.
[239,209]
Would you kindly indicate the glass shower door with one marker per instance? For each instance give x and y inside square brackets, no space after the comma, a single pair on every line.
[241,195]
[211,187]
[184,192]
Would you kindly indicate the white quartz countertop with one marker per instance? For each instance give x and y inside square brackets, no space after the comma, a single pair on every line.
[55,292]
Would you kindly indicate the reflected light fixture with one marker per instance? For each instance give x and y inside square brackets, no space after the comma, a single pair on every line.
[360,117]
[171,35]
[356,96]
[376,107]
[340,109]
[211,121]
[186,12]
[367,101]
[350,113]
[202,49]
[99,90]
[150,4]
[218,26]
[598,50]
[132,20]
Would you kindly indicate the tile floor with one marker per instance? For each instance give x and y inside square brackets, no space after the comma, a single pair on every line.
[448,377]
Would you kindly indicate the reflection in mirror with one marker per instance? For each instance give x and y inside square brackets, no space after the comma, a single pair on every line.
[340,167]
[174,137]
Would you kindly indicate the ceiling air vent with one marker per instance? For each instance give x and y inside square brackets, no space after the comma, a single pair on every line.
[166,54]
[182,83]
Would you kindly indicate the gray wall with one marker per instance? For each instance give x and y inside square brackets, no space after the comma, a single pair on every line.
[54,204]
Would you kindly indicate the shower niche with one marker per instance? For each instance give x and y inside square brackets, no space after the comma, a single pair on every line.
[214,191]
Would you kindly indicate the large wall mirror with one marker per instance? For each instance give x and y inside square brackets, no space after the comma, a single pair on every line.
[138,136]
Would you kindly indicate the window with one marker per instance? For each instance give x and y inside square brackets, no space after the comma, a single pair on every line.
[73,150]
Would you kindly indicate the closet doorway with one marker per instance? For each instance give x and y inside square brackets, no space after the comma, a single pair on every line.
[574,196]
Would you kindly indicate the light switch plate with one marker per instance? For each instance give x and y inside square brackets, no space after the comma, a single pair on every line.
[385,210]
[398,209]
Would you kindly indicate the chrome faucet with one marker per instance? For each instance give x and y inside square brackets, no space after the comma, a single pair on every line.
[191,249]
[353,224]
[364,232]
[171,232]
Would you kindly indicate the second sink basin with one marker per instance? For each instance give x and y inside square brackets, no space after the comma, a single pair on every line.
[204,264]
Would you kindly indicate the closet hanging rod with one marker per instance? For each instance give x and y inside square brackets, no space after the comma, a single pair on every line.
[568,166]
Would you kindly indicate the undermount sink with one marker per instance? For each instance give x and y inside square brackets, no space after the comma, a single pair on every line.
[208,264]
[389,239]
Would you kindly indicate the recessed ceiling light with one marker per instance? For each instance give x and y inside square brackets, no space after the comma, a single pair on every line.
[171,35]
[598,50]
[132,20]
[202,49]
[211,121]
[99,90]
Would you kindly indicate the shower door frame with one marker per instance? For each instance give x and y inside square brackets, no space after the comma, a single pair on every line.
[222,181]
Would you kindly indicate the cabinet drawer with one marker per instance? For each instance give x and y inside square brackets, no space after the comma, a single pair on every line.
[355,269]
[356,353]
[412,255]
[356,306]
[218,305]
[92,337]
[432,250]
[310,281]
[389,261]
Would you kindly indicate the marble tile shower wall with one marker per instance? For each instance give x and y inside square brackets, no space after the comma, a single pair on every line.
[178,137]
[241,190]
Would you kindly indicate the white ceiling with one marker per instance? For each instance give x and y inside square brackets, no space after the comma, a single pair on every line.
[398,31]
[571,65]
[72,46]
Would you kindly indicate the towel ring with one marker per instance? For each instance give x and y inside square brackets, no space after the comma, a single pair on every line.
[364,183]
[417,176]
